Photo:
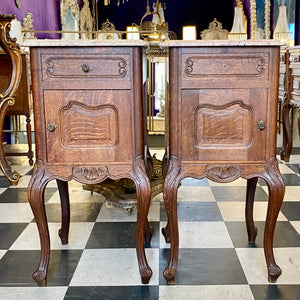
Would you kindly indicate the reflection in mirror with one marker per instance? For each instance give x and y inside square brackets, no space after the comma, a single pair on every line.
[69,10]
[284,21]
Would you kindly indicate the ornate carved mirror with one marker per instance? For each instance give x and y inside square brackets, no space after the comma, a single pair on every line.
[69,15]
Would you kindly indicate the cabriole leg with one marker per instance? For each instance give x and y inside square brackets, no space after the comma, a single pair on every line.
[251,229]
[36,190]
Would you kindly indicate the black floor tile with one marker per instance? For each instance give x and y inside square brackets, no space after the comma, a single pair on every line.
[285,235]
[16,267]
[291,210]
[4,183]
[9,232]
[289,180]
[294,167]
[194,211]
[194,182]
[80,212]
[113,293]
[274,292]
[237,193]
[204,266]
[118,235]
[19,195]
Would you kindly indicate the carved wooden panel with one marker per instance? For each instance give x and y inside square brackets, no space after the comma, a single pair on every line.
[92,125]
[250,65]
[78,122]
[222,124]
[84,66]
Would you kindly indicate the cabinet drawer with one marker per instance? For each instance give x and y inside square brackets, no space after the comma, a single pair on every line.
[201,67]
[86,67]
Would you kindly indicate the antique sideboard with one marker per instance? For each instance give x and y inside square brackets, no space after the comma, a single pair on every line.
[88,112]
[222,126]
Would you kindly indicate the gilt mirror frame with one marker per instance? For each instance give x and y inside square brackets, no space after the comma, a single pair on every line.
[69,16]
[256,30]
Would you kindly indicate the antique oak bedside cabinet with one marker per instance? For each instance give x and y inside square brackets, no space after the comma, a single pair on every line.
[222,126]
[88,113]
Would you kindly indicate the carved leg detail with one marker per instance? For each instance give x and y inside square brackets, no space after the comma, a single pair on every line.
[171,231]
[29,139]
[251,229]
[36,190]
[65,211]
[12,176]
[166,233]
[148,233]
[143,192]
[287,133]
[276,194]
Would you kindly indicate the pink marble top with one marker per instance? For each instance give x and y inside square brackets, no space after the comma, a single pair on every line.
[79,43]
[220,43]
[171,43]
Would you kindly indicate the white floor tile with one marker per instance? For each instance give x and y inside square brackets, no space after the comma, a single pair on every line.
[2,252]
[78,237]
[237,182]
[296,225]
[254,265]
[78,196]
[113,267]
[33,293]
[15,213]
[284,169]
[200,235]
[235,211]
[113,214]
[207,292]
[292,193]
[195,193]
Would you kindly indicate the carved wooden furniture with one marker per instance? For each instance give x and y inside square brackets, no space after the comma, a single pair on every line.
[22,104]
[292,99]
[222,125]
[89,126]
[283,97]
[10,47]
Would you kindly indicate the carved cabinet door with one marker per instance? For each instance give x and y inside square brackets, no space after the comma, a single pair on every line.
[222,124]
[88,125]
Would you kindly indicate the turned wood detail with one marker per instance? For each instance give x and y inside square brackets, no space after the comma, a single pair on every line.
[11,48]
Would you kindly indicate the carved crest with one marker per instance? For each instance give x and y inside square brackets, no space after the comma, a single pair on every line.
[223,173]
[90,173]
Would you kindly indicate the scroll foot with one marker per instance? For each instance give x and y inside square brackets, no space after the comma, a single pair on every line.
[146,274]
[169,274]
[40,277]
[273,273]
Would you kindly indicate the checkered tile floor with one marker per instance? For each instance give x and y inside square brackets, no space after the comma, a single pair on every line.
[215,260]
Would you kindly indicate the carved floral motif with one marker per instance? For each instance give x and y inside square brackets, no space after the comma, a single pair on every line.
[90,173]
[223,173]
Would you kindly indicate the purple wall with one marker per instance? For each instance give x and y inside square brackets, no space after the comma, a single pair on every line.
[46,14]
